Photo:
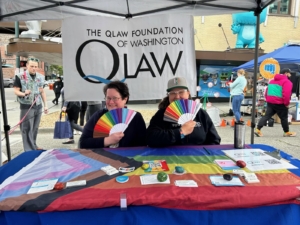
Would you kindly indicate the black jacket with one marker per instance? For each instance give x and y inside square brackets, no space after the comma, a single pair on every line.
[57,86]
[161,133]
[134,135]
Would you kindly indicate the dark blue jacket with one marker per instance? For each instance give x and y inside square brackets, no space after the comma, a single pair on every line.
[161,133]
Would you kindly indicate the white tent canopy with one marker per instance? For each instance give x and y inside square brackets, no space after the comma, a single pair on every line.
[26,10]
[23,10]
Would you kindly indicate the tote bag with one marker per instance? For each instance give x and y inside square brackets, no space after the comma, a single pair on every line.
[62,129]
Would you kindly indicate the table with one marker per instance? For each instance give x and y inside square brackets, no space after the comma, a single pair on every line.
[208,210]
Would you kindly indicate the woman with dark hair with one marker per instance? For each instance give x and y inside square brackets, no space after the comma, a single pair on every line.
[200,131]
[116,96]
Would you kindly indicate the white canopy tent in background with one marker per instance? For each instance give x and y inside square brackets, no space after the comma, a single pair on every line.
[24,10]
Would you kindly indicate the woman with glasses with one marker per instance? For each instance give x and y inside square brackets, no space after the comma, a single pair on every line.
[116,96]
[200,131]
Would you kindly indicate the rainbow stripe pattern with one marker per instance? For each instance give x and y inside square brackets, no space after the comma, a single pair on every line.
[181,111]
[116,120]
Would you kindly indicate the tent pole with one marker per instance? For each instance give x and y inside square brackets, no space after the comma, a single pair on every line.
[257,14]
[5,125]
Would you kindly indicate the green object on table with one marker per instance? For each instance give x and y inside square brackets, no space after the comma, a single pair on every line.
[179,169]
[162,176]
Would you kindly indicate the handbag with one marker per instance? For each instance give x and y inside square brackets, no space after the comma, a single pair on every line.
[62,129]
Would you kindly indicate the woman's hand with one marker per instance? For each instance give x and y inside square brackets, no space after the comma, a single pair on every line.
[188,127]
[113,138]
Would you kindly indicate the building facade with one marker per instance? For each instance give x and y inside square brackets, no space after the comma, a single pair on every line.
[281,27]
[10,59]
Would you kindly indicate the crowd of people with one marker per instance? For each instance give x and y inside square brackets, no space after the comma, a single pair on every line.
[28,87]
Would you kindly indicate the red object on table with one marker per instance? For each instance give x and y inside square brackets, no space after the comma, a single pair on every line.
[241,163]
[59,186]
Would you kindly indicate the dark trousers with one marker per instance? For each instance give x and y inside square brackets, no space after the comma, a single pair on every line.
[73,114]
[30,126]
[57,95]
[282,112]
[91,109]
[82,113]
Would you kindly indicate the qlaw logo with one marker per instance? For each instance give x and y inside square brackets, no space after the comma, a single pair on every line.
[158,69]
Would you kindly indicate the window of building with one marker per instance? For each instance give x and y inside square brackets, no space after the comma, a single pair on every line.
[282,7]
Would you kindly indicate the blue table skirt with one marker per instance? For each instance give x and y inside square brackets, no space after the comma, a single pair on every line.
[288,214]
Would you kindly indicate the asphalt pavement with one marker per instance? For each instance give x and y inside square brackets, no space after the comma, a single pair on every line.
[272,135]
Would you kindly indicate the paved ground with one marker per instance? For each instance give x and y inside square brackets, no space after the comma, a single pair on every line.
[272,135]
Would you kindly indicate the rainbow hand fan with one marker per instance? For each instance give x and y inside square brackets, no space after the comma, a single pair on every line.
[181,111]
[116,120]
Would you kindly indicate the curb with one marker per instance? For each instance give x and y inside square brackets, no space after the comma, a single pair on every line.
[41,130]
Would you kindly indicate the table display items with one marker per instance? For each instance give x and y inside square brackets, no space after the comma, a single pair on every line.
[258,160]
[155,165]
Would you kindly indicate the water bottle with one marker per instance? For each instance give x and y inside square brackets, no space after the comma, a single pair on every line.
[239,135]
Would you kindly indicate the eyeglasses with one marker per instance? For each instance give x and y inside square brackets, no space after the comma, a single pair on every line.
[113,98]
[33,59]
[175,93]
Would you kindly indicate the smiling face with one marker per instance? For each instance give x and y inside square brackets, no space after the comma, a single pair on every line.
[114,99]
[32,67]
[178,93]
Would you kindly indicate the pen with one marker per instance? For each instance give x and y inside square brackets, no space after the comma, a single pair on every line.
[207,151]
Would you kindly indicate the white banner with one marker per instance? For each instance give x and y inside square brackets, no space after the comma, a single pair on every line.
[143,52]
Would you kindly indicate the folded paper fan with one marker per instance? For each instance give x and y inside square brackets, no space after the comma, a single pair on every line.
[182,111]
[116,120]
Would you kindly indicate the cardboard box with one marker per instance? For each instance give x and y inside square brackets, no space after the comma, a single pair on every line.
[276,118]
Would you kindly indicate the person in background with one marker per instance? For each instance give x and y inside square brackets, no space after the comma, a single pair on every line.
[116,96]
[200,131]
[278,96]
[81,116]
[28,87]
[92,107]
[57,86]
[237,92]
[72,109]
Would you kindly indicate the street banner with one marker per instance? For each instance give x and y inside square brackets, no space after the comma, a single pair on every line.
[143,52]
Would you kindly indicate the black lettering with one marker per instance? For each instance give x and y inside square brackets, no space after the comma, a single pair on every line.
[113,52]
[139,69]
[167,58]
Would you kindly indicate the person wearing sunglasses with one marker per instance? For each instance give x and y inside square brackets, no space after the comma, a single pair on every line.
[116,96]
[28,87]
[200,131]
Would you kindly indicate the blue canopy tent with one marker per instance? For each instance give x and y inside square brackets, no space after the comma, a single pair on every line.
[286,55]
[25,10]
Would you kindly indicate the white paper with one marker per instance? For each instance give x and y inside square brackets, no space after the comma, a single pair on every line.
[186,183]
[76,183]
[257,160]
[42,185]
[218,180]
[152,179]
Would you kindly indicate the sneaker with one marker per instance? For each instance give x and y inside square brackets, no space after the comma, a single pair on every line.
[289,134]
[258,133]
